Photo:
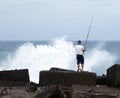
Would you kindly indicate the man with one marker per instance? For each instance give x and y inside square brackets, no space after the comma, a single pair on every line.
[79,56]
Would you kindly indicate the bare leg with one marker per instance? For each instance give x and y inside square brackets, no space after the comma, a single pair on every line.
[78,67]
[78,70]
[82,67]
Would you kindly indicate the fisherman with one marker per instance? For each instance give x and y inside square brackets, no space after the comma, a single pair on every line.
[79,56]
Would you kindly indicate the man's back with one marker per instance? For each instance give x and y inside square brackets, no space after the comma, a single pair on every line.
[79,49]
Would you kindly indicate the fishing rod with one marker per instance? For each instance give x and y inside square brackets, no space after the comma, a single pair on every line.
[89,30]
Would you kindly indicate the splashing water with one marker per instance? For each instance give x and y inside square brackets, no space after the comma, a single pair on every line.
[98,60]
[59,53]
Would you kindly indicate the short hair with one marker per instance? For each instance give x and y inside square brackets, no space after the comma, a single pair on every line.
[79,41]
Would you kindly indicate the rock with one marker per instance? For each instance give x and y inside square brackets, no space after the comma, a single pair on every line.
[113,76]
[51,92]
[66,78]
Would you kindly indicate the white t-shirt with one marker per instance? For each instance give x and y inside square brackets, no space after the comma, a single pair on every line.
[79,49]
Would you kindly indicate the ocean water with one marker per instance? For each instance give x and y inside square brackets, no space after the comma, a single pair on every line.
[42,55]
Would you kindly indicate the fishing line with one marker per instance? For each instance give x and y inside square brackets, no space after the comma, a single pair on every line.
[89,30]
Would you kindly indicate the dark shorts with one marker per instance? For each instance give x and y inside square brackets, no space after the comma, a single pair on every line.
[80,59]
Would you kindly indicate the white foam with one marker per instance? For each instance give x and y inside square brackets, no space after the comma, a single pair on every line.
[98,60]
[59,53]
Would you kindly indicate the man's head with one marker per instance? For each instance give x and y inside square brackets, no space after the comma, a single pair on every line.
[79,42]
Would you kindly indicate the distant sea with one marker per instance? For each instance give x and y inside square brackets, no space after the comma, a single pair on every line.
[42,55]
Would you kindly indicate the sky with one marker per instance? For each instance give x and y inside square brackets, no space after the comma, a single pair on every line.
[49,19]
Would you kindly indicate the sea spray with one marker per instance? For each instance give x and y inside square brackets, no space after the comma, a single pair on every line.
[98,59]
[57,53]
